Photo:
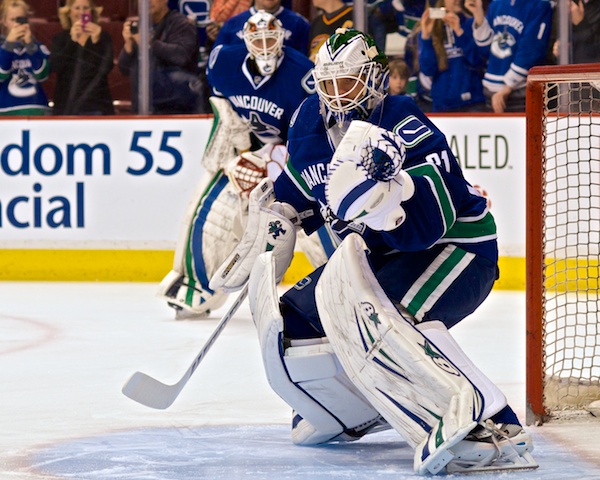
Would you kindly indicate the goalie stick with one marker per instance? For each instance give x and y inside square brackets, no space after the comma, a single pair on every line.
[151,392]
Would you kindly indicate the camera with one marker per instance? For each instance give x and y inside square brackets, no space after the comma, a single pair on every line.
[133,27]
[437,13]
[21,20]
[85,19]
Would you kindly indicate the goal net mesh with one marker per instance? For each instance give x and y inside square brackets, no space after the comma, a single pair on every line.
[571,245]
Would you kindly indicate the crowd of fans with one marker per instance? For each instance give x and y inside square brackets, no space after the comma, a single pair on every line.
[459,55]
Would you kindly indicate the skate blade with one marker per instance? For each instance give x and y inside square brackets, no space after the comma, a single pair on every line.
[523,462]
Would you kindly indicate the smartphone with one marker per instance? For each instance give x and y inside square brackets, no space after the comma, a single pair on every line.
[21,20]
[85,19]
[436,13]
[133,27]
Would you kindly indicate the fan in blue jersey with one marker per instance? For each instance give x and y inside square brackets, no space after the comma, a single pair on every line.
[362,343]
[450,61]
[296,27]
[257,86]
[515,35]
[23,63]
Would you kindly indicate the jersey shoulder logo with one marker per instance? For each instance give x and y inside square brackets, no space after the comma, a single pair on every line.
[308,83]
[412,131]
[212,59]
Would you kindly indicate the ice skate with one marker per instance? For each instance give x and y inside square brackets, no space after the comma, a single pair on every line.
[190,301]
[493,447]
[302,429]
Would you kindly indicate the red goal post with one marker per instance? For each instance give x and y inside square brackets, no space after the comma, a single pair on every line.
[562,241]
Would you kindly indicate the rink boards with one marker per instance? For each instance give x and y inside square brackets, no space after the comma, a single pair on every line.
[103,199]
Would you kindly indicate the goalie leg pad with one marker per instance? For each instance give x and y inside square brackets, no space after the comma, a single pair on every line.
[210,230]
[307,375]
[403,375]
[436,332]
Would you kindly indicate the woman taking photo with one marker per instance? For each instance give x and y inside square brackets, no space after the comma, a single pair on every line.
[81,57]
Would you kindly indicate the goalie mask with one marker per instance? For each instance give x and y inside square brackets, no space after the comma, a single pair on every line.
[263,35]
[351,74]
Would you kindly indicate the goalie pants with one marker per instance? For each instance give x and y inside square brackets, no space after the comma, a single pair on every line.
[442,283]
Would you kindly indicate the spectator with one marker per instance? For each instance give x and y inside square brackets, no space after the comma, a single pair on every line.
[198,14]
[23,63]
[82,57]
[175,85]
[334,14]
[585,40]
[515,36]
[408,14]
[295,25]
[449,57]
[418,86]
[399,75]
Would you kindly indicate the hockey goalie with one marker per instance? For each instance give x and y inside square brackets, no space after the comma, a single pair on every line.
[257,86]
[363,343]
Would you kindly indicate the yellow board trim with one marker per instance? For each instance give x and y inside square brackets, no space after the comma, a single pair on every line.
[85,265]
[153,265]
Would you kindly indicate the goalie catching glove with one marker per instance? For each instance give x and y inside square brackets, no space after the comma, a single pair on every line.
[366,183]
[247,170]
[271,227]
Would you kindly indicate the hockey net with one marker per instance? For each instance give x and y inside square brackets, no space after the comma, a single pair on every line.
[563,241]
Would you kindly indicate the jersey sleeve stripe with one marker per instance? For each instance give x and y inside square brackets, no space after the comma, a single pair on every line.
[439,189]
[298,181]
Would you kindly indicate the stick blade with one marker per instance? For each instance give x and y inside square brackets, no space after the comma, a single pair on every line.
[150,392]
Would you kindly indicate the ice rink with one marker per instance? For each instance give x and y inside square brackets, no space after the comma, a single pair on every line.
[67,348]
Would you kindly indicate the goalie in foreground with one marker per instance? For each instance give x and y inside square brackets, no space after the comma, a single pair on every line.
[362,344]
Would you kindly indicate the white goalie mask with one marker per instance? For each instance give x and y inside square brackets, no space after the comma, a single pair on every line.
[263,35]
[350,73]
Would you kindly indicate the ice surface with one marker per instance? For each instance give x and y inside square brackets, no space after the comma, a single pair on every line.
[67,348]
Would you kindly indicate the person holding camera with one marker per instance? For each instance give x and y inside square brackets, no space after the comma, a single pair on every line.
[81,57]
[449,61]
[175,84]
[23,63]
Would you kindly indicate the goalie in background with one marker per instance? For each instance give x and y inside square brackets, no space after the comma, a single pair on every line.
[257,86]
[362,343]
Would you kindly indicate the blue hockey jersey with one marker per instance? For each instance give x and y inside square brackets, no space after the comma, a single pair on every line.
[515,38]
[22,68]
[444,209]
[460,84]
[295,25]
[266,103]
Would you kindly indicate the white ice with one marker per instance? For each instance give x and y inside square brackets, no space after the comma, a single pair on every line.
[67,348]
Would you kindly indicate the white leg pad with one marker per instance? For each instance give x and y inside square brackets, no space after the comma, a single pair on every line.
[494,399]
[306,376]
[407,378]
[222,215]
